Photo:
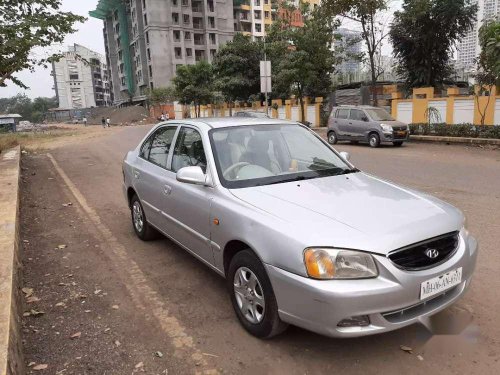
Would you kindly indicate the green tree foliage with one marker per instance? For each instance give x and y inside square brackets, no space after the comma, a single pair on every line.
[30,110]
[488,63]
[423,35]
[303,58]
[25,25]
[236,67]
[193,84]
[161,95]
[367,14]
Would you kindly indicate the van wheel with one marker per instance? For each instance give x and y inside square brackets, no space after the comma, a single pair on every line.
[397,144]
[374,140]
[252,296]
[141,226]
[332,137]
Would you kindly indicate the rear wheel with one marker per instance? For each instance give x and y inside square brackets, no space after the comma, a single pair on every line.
[141,226]
[397,144]
[332,137]
[252,296]
[374,140]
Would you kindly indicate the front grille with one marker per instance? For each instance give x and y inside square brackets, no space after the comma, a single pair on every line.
[398,128]
[415,257]
[411,312]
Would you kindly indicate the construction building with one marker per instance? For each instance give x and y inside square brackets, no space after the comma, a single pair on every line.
[146,40]
[81,79]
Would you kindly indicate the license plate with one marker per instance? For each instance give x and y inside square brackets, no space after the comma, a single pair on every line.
[440,284]
[401,134]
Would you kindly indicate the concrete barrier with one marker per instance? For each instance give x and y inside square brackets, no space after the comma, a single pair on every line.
[11,358]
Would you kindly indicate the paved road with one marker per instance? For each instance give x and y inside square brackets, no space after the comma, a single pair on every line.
[167,301]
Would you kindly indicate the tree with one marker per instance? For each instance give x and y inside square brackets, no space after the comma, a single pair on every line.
[367,14]
[304,58]
[423,35]
[25,25]
[488,63]
[30,110]
[194,84]
[161,95]
[236,68]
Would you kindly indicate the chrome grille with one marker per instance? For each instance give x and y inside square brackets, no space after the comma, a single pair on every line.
[416,256]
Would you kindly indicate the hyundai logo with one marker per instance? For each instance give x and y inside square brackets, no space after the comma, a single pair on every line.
[432,253]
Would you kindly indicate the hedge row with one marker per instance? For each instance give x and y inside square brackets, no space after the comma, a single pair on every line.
[458,130]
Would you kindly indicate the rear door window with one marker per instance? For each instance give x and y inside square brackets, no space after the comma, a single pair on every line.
[357,115]
[161,141]
[342,113]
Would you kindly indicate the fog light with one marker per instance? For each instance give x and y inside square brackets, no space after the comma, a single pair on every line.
[355,321]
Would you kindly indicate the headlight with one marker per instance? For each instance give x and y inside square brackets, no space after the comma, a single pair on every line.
[386,128]
[329,264]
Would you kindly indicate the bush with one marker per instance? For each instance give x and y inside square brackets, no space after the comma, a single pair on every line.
[456,130]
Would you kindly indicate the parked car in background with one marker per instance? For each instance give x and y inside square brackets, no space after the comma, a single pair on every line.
[301,236]
[365,124]
[255,114]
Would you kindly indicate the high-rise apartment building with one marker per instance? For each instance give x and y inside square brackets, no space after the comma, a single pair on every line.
[252,17]
[468,48]
[146,40]
[348,44]
[81,79]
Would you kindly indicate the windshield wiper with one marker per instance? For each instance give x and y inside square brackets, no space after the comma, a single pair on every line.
[293,179]
[348,171]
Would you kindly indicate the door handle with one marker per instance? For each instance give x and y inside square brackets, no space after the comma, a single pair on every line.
[167,189]
[350,123]
[137,174]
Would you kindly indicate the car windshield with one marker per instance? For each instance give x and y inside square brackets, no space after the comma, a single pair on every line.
[379,114]
[255,155]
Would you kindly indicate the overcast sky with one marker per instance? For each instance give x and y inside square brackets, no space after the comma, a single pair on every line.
[89,34]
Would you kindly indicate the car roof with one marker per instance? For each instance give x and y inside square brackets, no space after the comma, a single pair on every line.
[357,107]
[226,122]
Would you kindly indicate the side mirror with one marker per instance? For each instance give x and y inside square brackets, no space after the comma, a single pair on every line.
[191,175]
[345,155]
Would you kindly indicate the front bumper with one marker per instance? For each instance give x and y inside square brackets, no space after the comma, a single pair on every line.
[396,136]
[391,300]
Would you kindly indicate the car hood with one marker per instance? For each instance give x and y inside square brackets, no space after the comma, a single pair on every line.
[356,211]
[393,123]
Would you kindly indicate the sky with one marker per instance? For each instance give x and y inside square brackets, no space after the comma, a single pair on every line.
[89,34]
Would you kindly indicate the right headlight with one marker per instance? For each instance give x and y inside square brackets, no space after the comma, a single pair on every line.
[328,264]
[386,128]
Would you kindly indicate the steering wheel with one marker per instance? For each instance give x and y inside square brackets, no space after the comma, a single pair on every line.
[233,167]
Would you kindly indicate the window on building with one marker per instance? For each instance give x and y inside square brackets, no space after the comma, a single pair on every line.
[150,72]
[148,52]
[210,4]
[121,68]
[213,52]
[211,22]
[151,85]
[178,52]
[143,4]
[212,38]
[175,18]
[175,3]
[185,3]
[186,18]
[115,15]
[189,52]
[118,42]
[187,35]
[267,14]
[123,81]
[257,14]
[73,76]
[258,27]
[256,3]
[117,28]
[147,37]
[177,36]
[145,20]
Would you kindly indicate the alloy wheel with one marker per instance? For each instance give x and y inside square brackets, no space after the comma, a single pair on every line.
[249,295]
[137,216]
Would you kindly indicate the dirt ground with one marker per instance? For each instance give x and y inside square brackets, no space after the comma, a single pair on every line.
[115,305]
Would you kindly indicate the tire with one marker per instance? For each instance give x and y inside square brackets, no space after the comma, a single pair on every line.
[260,315]
[397,143]
[374,140]
[332,137]
[144,231]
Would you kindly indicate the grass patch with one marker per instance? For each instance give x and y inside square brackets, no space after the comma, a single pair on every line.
[26,139]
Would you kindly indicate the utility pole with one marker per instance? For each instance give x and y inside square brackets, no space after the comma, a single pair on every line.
[265,77]
[267,89]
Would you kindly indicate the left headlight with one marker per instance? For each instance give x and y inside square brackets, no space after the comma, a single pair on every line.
[328,264]
[386,128]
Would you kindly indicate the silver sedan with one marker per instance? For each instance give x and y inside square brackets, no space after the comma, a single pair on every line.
[301,236]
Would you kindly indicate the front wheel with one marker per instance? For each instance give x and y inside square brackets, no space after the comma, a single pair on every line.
[252,296]
[374,140]
[332,138]
[397,144]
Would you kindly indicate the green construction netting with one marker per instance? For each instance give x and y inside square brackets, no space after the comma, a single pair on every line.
[103,10]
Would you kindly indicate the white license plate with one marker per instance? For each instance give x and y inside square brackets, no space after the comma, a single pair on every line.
[439,284]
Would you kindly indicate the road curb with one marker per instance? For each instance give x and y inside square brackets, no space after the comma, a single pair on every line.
[11,357]
[458,140]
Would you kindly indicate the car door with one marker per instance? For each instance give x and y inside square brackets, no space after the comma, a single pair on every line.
[150,173]
[357,124]
[341,120]
[187,206]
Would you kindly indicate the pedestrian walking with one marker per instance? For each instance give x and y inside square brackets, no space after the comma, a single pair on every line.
[84,121]
[167,116]
[108,121]
[103,122]
[162,117]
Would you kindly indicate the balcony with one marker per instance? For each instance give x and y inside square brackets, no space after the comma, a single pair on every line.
[197,23]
